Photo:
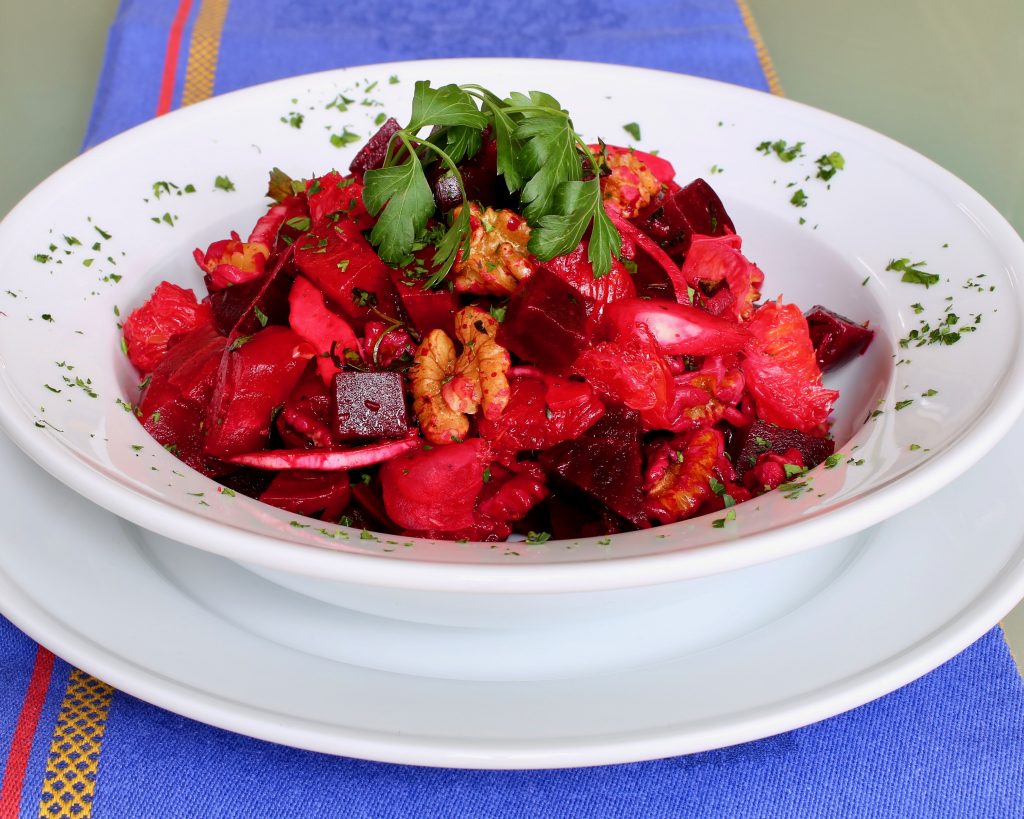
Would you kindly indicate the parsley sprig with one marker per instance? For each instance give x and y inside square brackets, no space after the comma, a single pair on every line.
[539,154]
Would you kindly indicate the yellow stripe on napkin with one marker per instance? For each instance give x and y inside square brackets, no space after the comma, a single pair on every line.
[69,782]
[203,51]
[762,51]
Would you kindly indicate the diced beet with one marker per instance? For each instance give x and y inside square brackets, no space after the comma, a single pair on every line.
[343,264]
[693,209]
[574,514]
[173,403]
[309,493]
[329,333]
[653,265]
[436,488]
[234,308]
[575,270]
[836,339]
[606,462]
[255,378]
[427,309]
[373,153]
[244,481]
[545,322]
[369,405]
[169,311]
[333,197]
[761,437]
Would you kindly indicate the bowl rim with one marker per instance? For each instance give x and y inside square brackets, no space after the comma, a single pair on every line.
[1004,407]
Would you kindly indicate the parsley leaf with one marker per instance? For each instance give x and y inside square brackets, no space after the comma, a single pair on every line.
[912,272]
[784,151]
[550,159]
[410,203]
[632,129]
[447,105]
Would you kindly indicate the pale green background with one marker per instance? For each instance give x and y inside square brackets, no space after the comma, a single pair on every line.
[942,76]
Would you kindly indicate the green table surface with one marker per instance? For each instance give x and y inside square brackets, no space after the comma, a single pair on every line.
[938,75]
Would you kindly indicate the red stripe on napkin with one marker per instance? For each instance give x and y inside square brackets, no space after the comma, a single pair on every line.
[24,733]
[171,57]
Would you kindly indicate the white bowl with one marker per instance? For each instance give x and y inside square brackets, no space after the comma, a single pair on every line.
[888,203]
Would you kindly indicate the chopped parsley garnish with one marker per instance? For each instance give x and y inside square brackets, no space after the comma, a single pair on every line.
[829,165]
[833,460]
[904,404]
[538,537]
[393,79]
[223,183]
[632,129]
[784,151]
[346,137]
[912,272]
[42,258]
[799,199]
[295,119]
[929,393]
[719,523]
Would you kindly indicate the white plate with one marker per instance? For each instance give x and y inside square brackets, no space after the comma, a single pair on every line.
[888,203]
[923,587]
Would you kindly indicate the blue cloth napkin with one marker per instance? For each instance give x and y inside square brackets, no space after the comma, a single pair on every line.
[949,744]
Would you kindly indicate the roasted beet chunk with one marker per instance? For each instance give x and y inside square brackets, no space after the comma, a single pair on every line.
[761,437]
[546,322]
[372,154]
[836,339]
[257,375]
[427,309]
[369,405]
[606,463]
[695,209]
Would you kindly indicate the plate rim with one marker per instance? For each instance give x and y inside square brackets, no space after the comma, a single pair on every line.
[999,592]
[591,575]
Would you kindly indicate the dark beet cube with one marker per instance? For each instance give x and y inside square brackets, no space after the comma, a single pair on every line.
[695,208]
[606,462]
[369,405]
[836,339]
[427,309]
[372,154]
[546,322]
[761,437]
